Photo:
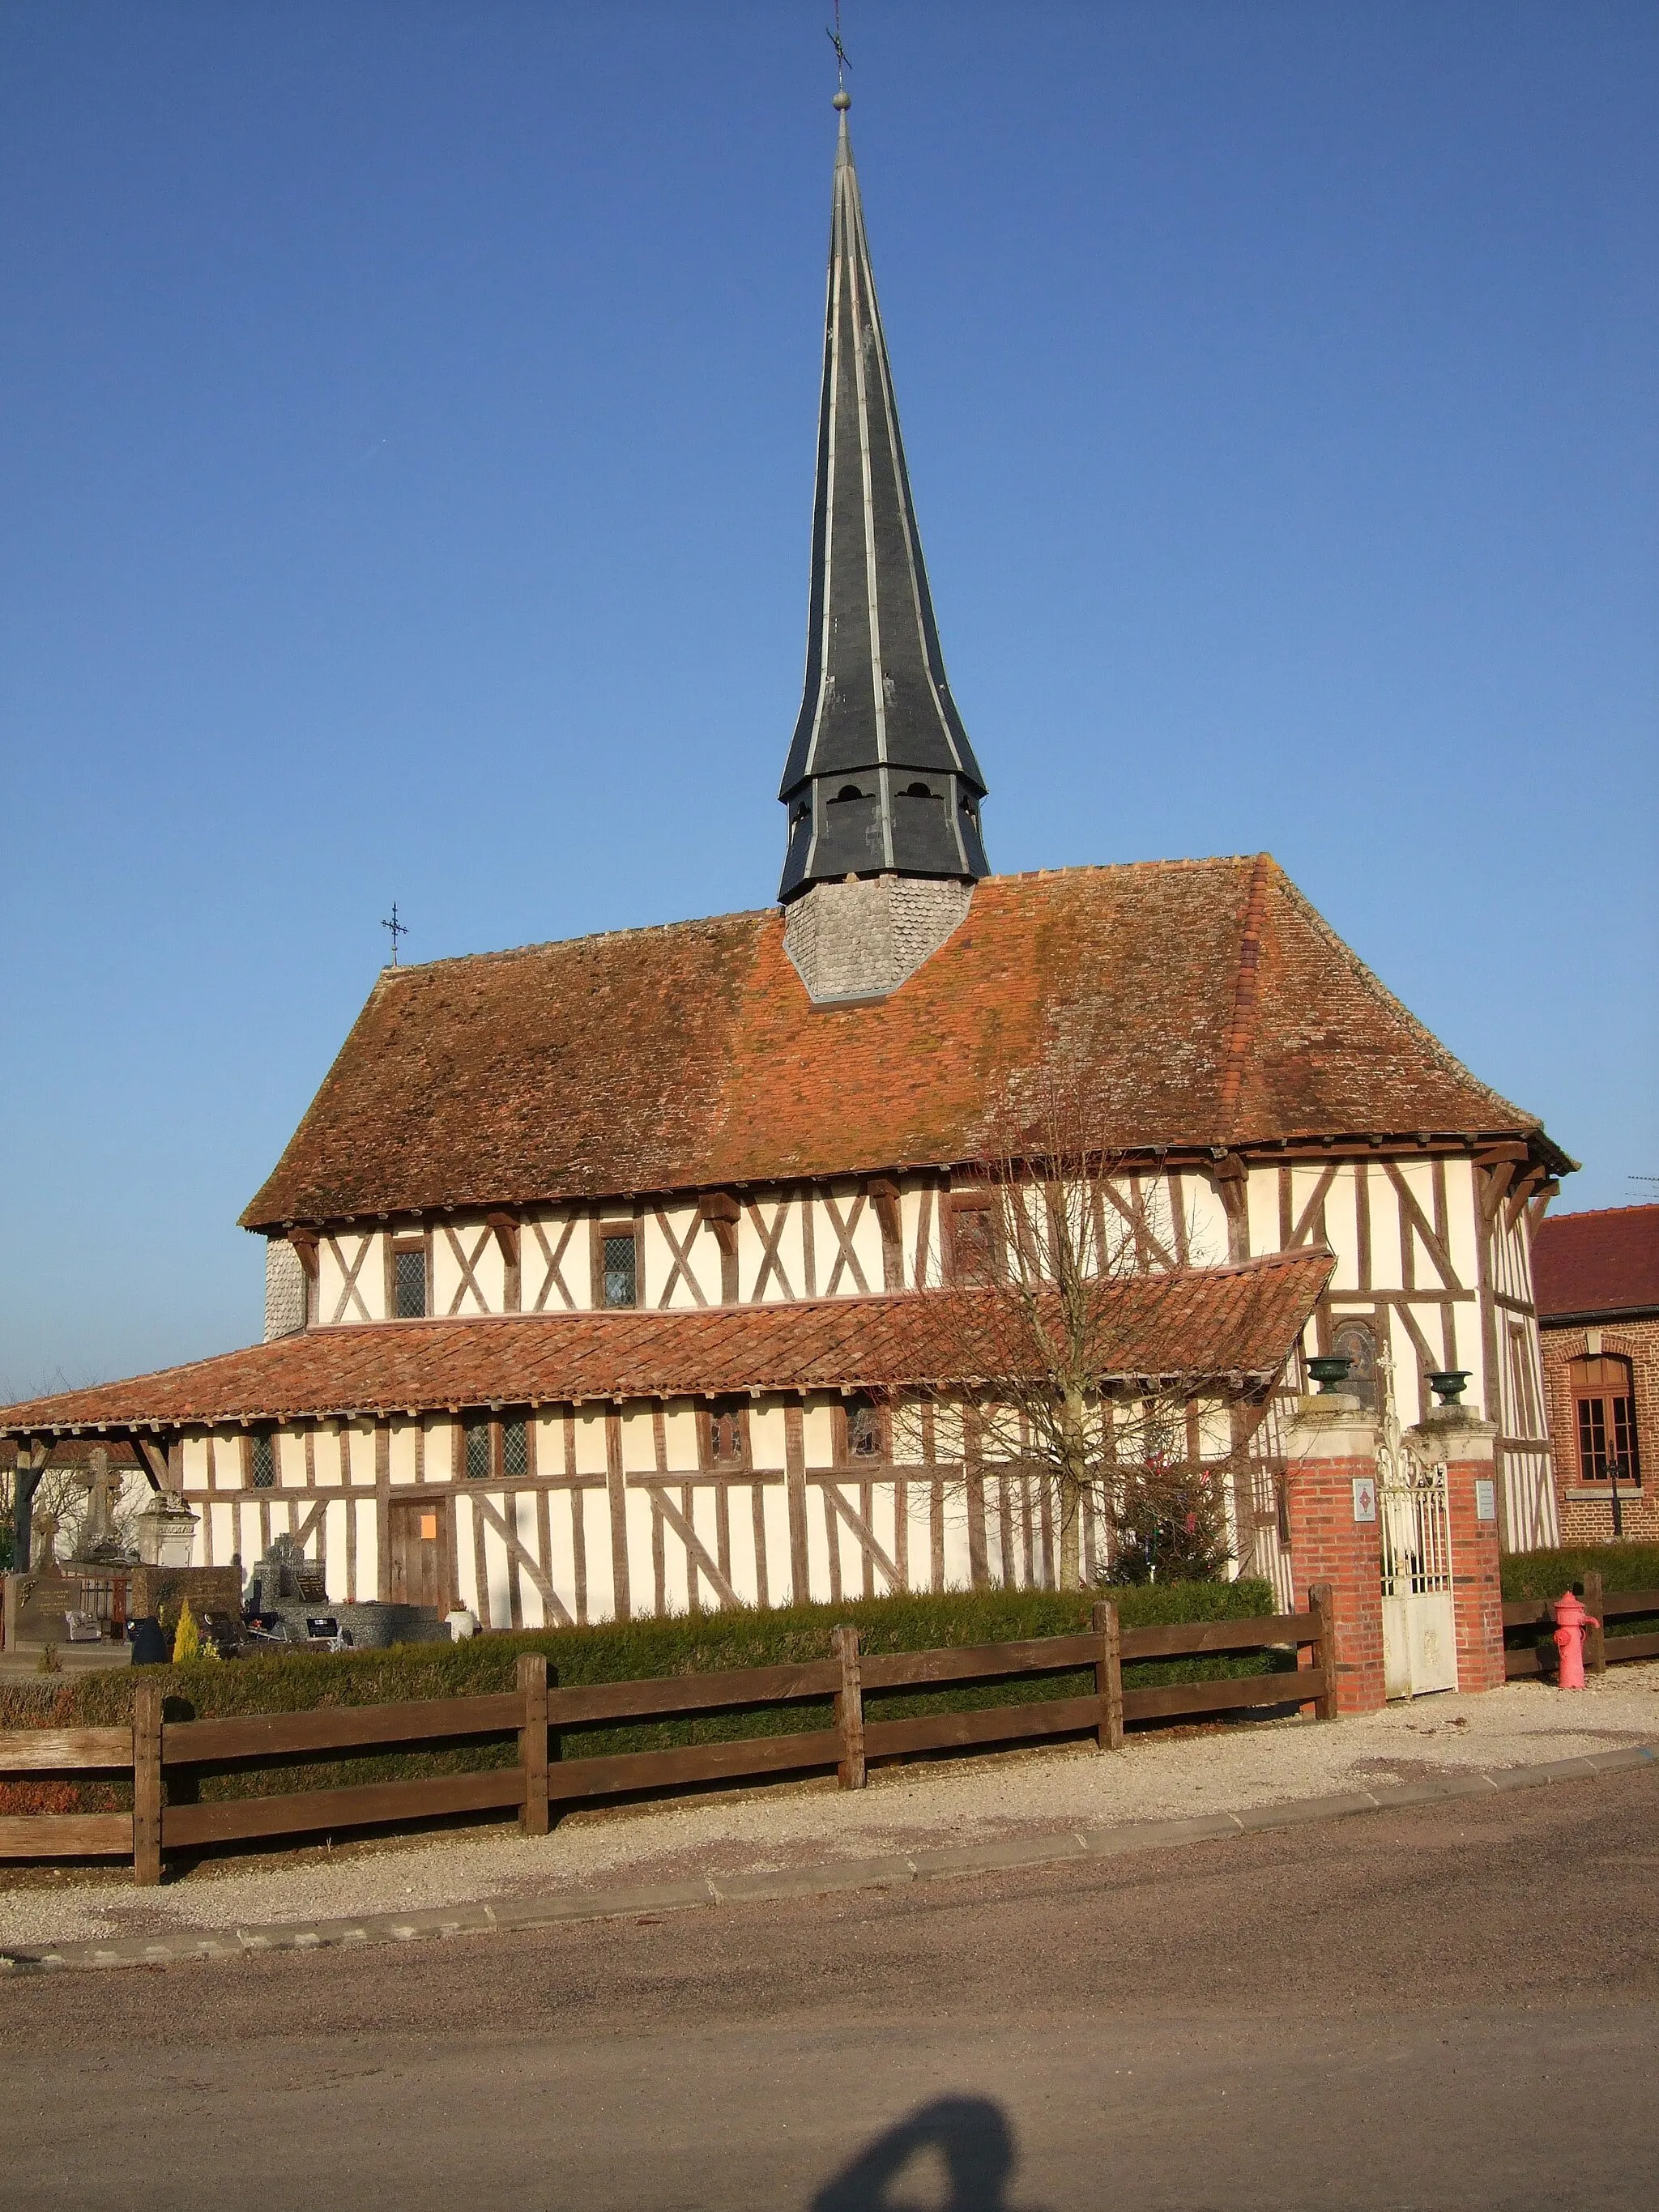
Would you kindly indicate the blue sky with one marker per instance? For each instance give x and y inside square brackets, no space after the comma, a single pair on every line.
[406,424]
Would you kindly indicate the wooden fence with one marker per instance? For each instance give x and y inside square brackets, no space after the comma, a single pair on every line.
[541,1780]
[1601,1649]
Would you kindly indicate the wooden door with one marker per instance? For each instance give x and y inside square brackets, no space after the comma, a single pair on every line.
[418,1549]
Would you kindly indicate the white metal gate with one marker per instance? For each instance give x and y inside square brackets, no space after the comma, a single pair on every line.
[1419,1630]
[1419,1627]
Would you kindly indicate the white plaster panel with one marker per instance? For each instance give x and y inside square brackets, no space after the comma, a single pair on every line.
[523,1524]
[368,1549]
[489,1268]
[884,1523]
[818,1434]
[223,1520]
[500,1598]
[1385,1229]
[325,1453]
[193,1456]
[680,1436]
[848,1551]
[596,1538]
[818,1548]
[1207,1221]
[1461,1216]
[641,1575]
[921,1508]
[639,1439]
[705,1522]
[766,1433]
[780,1581]
[290,1460]
[913,1208]
[561,1548]
[1261,1213]
[742,1569]
[702,1258]
[337,1515]
[466,1578]
[538,1291]
[790,1251]
[403,1455]
[366,1300]
[1342,1228]
[438,1448]
[590,1440]
[958,1571]
[359,1445]
[865,1238]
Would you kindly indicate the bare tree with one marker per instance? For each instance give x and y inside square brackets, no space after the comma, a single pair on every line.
[1045,1346]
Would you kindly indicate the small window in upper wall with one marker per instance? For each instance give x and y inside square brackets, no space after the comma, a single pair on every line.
[863,1430]
[409,1279]
[619,1267]
[725,1435]
[261,1460]
[474,1448]
[515,1449]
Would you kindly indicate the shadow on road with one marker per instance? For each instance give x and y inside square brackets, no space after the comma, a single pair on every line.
[973,2141]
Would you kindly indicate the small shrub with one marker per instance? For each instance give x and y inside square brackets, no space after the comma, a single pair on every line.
[187,1641]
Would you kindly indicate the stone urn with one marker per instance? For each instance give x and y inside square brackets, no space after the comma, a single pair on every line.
[461,1623]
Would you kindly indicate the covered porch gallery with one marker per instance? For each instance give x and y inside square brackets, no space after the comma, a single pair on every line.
[571,1467]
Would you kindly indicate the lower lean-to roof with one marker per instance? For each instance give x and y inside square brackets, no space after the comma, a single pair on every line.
[1234,1327]
[1204,1004]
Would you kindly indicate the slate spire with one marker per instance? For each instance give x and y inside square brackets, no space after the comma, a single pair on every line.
[881,778]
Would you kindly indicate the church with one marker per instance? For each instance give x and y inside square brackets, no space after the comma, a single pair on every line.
[597,1270]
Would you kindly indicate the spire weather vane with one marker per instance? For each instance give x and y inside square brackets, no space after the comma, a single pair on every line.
[398,929]
[841,62]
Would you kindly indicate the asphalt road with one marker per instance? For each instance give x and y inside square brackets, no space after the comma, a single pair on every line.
[1453,2007]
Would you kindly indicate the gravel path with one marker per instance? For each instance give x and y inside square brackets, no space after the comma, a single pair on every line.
[917,1806]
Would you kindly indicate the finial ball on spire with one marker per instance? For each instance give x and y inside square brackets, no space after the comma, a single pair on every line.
[843,99]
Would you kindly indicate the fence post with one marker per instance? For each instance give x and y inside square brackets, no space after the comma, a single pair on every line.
[532,1742]
[1596,1643]
[849,1708]
[146,1784]
[1322,1603]
[1108,1676]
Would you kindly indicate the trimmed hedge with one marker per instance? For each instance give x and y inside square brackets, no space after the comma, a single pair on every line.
[618,1651]
[1547,1575]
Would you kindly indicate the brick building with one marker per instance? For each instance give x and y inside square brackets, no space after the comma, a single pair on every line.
[1596,1277]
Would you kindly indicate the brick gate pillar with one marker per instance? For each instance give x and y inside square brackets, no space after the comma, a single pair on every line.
[1330,1497]
[1457,1437]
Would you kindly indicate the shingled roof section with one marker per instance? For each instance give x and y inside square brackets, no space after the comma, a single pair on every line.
[689,1057]
[1607,1262]
[1233,1325]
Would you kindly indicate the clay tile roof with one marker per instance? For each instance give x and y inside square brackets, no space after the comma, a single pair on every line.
[1597,1263]
[1208,1002]
[1231,1324]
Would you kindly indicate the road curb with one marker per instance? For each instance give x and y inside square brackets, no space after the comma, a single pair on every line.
[833,1876]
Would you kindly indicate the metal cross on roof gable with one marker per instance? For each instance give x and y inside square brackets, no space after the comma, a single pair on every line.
[398,929]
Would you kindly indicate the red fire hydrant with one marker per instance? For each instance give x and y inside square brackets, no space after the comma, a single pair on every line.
[1570,1622]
